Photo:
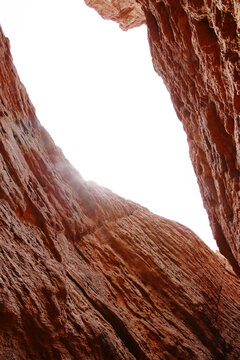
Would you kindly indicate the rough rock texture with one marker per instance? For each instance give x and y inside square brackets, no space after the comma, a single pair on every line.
[195,46]
[128,13]
[85,274]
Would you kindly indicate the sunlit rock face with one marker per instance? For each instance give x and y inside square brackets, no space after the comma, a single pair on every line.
[85,274]
[128,13]
[195,46]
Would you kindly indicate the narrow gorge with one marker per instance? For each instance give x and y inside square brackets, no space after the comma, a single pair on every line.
[86,274]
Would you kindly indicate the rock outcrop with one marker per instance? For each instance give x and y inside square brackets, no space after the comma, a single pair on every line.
[195,46]
[86,274]
[128,13]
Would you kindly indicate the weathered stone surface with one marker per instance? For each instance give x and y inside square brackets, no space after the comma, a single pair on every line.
[195,46]
[85,274]
[128,13]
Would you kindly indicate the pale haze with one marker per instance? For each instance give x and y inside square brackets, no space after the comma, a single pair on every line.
[95,91]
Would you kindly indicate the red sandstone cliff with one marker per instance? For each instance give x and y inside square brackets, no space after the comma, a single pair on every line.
[195,46]
[86,274]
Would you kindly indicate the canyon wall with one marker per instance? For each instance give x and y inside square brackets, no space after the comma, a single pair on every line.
[195,47]
[86,274]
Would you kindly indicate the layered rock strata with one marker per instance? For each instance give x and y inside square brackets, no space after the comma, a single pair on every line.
[85,274]
[195,46]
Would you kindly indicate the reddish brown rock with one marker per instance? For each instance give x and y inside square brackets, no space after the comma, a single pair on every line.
[195,46]
[128,13]
[86,274]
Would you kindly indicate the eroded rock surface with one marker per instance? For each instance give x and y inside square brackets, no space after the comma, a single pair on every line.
[85,274]
[128,13]
[195,46]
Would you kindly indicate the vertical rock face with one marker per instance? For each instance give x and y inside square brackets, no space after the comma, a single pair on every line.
[195,46]
[85,274]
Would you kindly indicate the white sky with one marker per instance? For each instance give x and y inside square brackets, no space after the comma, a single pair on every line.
[95,90]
